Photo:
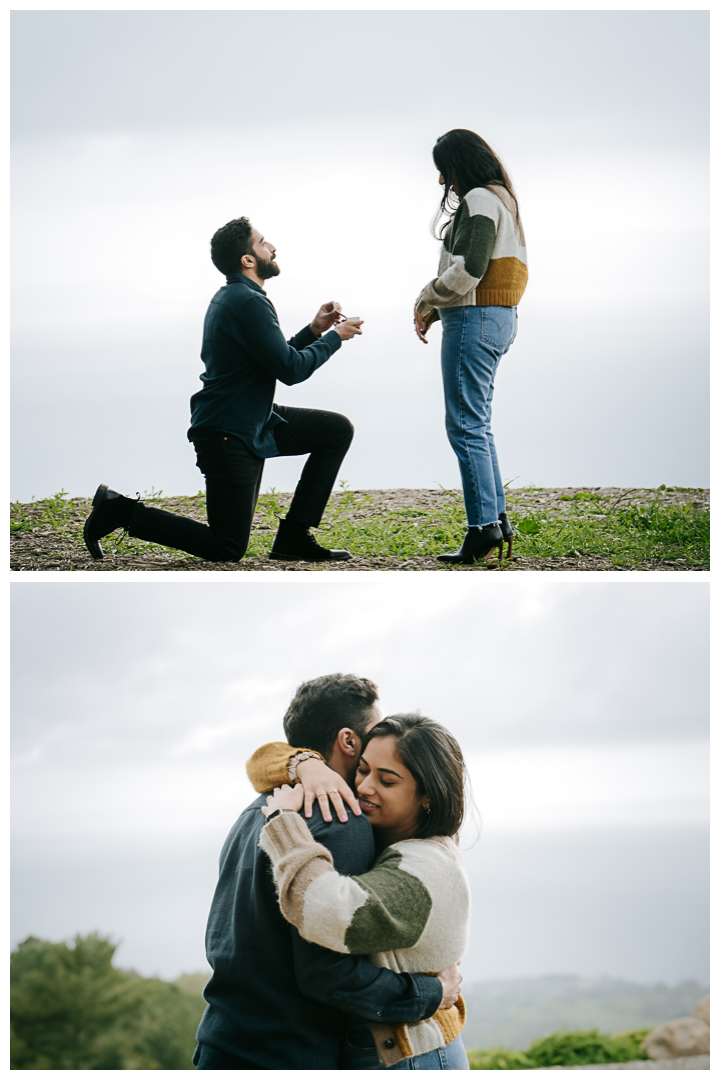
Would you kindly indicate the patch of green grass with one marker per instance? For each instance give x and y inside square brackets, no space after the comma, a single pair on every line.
[54,512]
[626,535]
[586,523]
[584,496]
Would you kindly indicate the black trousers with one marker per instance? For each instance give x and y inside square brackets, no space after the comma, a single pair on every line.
[232,484]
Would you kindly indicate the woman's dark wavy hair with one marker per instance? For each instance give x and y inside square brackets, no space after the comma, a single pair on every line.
[464,159]
[435,759]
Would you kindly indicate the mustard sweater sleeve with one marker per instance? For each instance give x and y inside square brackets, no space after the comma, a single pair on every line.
[267,768]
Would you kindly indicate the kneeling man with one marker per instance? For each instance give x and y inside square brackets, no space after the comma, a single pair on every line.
[235,424]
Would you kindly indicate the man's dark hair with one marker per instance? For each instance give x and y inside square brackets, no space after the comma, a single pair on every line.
[230,243]
[321,707]
[435,759]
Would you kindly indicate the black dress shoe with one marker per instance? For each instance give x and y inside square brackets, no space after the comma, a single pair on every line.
[478,543]
[294,541]
[110,511]
[507,531]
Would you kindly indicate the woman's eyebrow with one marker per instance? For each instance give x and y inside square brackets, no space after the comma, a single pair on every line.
[390,771]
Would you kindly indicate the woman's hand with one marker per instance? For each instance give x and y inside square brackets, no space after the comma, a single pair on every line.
[284,798]
[322,783]
[420,327]
[451,979]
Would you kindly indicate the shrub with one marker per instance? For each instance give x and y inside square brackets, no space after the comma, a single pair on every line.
[500,1057]
[582,1048]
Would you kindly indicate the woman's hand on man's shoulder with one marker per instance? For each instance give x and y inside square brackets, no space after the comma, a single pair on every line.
[321,782]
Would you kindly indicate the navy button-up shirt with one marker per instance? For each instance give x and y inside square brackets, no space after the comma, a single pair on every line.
[244,353]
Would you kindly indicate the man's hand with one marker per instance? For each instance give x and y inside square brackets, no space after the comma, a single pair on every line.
[349,328]
[320,781]
[284,798]
[327,316]
[420,328]
[450,978]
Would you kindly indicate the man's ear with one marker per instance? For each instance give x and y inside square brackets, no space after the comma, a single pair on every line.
[349,742]
[249,263]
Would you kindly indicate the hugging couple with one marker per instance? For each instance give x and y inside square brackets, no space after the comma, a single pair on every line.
[335,940]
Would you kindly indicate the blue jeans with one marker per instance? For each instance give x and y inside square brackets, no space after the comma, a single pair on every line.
[474,339]
[359,1052]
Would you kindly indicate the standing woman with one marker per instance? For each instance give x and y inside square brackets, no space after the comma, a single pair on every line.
[482,276]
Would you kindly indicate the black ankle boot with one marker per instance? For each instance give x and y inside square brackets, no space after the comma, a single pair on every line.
[294,541]
[479,542]
[507,531]
[110,511]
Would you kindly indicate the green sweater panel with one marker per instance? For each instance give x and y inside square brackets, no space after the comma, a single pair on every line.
[473,237]
[395,912]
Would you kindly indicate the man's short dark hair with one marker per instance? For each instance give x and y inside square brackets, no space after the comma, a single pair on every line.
[230,243]
[321,707]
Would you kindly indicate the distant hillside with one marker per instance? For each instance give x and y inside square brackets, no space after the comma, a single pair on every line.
[513,1012]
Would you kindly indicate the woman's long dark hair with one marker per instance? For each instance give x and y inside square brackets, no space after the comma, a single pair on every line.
[435,759]
[466,160]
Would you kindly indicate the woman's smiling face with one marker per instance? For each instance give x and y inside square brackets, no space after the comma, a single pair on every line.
[387,791]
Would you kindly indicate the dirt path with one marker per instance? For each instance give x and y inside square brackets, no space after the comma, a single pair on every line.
[57,545]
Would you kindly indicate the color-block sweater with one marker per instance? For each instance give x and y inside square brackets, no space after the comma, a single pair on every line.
[483,259]
[408,913]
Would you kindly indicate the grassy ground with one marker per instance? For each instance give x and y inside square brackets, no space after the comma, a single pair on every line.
[558,528]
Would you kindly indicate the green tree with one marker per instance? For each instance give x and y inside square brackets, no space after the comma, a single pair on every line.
[71,1009]
[64,1000]
[163,1036]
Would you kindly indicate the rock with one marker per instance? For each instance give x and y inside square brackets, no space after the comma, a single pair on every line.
[678,1038]
[702,1010]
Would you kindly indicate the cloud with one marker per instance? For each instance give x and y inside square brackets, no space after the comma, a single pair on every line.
[638,74]
[498,660]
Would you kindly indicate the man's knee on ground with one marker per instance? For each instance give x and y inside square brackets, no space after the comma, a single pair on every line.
[229,552]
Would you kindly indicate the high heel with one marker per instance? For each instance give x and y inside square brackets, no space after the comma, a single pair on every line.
[478,543]
[507,531]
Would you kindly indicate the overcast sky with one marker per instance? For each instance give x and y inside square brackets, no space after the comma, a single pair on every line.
[136,134]
[582,711]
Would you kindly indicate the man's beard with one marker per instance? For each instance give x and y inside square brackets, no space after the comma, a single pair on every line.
[266,268]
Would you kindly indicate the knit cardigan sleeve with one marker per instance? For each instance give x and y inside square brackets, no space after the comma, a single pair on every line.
[467,250]
[382,910]
[268,766]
